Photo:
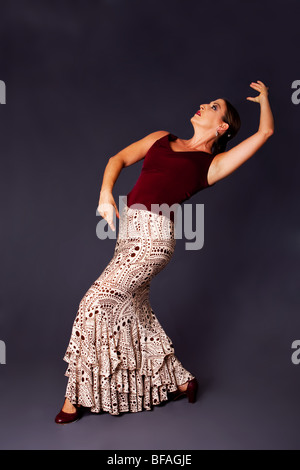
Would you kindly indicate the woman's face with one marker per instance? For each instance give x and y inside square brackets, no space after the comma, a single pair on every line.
[209,116]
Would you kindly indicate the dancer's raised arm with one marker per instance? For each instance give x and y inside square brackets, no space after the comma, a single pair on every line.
[226,162]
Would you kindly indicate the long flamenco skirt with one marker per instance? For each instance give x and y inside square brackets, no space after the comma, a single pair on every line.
[119,357]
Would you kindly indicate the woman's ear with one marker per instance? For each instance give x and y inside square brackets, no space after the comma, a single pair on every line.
[222,128]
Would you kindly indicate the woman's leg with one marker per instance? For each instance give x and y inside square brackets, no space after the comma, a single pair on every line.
[119,356]
[68,407]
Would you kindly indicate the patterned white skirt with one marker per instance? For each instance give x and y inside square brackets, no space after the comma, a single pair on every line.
[119,357]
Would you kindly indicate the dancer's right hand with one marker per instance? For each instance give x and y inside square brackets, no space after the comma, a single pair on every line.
[106,207]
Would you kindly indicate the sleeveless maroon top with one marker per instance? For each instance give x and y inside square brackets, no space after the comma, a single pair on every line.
[168,176]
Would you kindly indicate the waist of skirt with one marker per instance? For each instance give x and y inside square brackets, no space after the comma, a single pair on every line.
[143,223]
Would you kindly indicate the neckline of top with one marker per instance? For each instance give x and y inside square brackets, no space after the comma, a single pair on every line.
[184,151]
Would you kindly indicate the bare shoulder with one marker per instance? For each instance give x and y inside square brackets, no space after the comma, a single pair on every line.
[212,174]
[154,136]
[215,172]
[137,150]
[229,161]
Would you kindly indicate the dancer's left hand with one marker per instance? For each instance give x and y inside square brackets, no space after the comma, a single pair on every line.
[261,88]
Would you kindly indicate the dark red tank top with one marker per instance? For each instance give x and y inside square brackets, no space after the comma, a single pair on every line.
[168,176]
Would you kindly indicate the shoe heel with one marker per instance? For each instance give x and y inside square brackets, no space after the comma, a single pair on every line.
[192,390]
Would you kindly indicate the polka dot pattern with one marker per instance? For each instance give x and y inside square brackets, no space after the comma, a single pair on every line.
[119,357]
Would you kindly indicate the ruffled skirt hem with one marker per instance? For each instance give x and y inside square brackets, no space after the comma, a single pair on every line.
[126,390]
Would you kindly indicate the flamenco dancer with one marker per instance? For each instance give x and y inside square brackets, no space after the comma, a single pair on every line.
[119,357]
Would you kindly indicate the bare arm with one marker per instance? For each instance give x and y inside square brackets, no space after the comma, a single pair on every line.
[227,162]
[126,157]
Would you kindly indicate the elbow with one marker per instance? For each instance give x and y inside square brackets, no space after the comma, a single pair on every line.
[269,133]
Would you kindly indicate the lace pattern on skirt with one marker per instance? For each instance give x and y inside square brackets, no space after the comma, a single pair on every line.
[119,357]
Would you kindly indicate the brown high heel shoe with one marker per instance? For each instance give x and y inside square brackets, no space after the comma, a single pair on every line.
[66,418]
[190,392]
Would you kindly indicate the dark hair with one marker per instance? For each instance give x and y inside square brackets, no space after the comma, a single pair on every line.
[232,118]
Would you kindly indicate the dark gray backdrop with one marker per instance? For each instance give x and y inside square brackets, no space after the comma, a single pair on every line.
[85,79]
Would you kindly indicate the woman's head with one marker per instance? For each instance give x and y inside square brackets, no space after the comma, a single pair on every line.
[219,117]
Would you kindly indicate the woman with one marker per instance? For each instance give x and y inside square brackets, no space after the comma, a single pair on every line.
[119,357]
